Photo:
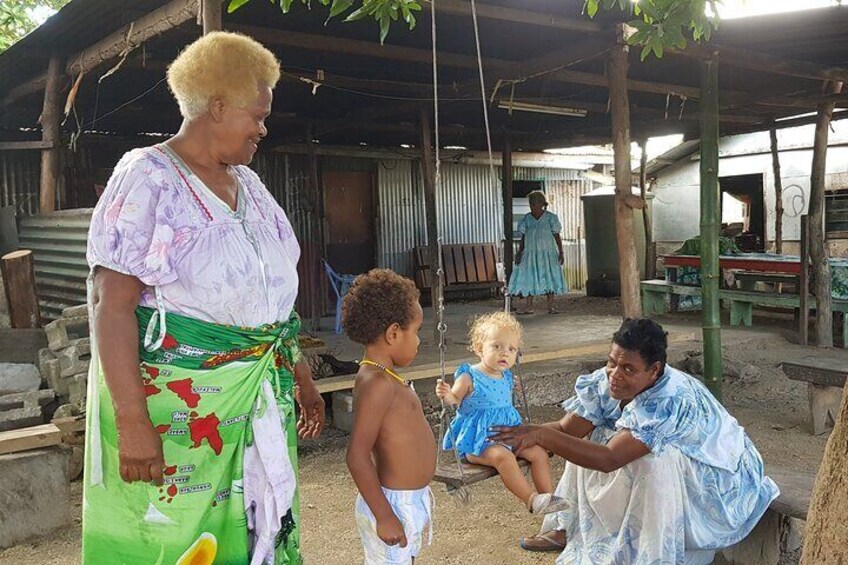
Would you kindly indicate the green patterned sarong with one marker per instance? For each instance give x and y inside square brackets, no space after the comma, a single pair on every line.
[204,388]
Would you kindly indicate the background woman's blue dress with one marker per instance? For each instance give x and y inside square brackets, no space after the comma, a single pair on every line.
[539,271]
[489,404]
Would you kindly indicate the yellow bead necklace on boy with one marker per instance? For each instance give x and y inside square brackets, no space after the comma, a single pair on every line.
[386,370]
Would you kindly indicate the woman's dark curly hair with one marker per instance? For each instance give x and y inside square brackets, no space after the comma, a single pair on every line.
[645,337]
[375,301]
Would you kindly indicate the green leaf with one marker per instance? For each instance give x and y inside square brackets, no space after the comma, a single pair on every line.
[357,14]
[645,51]
[591,7]
[235,5]
[384,28]
[339,7]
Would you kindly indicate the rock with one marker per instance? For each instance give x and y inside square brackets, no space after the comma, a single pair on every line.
[66,411]
[75,463]
[19,377]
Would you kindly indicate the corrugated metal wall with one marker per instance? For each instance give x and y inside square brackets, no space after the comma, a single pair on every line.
[401,224]
[470,210]
[19,179]
[58,243]
[287,178]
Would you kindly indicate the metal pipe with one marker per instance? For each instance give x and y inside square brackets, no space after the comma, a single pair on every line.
[710,222]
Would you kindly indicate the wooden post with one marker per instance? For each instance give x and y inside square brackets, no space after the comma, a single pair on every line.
[710,223]
[620,109]
[429,174]
[317,230]
[818,245]
[211,14]
[804,284]
[650,249]
[506,193]
[18,271]
[778,193]
[50,135]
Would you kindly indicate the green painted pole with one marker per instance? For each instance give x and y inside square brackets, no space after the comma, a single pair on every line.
[710,223]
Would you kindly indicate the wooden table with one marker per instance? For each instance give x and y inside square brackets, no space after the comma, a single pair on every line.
[757,262]
[825,380]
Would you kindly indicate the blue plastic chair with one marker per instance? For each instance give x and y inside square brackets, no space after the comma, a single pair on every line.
[341,284]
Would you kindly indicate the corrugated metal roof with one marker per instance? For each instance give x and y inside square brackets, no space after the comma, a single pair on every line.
[76,26]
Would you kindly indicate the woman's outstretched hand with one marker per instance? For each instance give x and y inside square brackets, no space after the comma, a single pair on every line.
[311,421]
[519,437]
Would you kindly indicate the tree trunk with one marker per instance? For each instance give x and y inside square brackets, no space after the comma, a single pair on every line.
[429,173]
[818,245]
[710,222]
[50,135]
[19,283]
[509,245]
[778,193]
[620,108]
[826,534]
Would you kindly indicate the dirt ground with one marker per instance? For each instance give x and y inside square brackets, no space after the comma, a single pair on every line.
[771,407]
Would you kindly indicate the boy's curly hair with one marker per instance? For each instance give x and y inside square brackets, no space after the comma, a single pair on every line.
[375,301]
[482,325]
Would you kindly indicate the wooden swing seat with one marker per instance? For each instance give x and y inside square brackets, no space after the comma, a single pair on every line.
[450,477]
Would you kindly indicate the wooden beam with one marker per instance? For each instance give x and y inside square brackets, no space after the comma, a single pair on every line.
[25,439]
[168,17]
[25,89]
[778,192]
[514,15]
[326,44]
[620,110]
[650,248]
[50,135]
[430,213]
[211,15]
[766,62]
[18,269]
[818,243]
[804,284]
[25,145]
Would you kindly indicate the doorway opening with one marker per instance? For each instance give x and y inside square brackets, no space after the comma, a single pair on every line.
[743,212]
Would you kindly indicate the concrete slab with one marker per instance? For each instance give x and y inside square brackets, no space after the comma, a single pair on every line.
[35,495]
[19,377]
[21,346]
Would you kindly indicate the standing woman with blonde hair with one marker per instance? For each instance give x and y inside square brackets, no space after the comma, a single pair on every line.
[538,264]
[192,440]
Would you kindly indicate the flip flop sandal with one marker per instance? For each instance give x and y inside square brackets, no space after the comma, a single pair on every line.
[535,547]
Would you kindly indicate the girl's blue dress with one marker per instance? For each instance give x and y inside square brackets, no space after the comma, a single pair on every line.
[489,404]
[539,271]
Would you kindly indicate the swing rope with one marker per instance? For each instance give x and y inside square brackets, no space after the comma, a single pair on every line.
[462,494]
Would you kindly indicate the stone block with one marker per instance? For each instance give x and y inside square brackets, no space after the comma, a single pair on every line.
[21,345]
[23,409]
[77,390]
[79,311]
[35,495]
[75,358]
[77,327]
[343,410]
[19,377]
[53,375]
[57,334]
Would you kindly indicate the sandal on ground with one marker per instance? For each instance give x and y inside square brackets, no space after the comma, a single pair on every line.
[525,312]
[553,310]
[542,543]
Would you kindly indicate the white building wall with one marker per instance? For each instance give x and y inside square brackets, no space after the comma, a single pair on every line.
[677,200]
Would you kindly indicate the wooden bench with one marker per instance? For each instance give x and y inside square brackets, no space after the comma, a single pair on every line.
[742,302]
[467,267]
[748,279]
[825,380]
[770,537]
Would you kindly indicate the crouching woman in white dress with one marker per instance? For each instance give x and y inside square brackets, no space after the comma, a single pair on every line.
[665,474]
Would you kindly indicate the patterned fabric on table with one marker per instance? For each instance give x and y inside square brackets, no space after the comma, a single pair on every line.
[701,488]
